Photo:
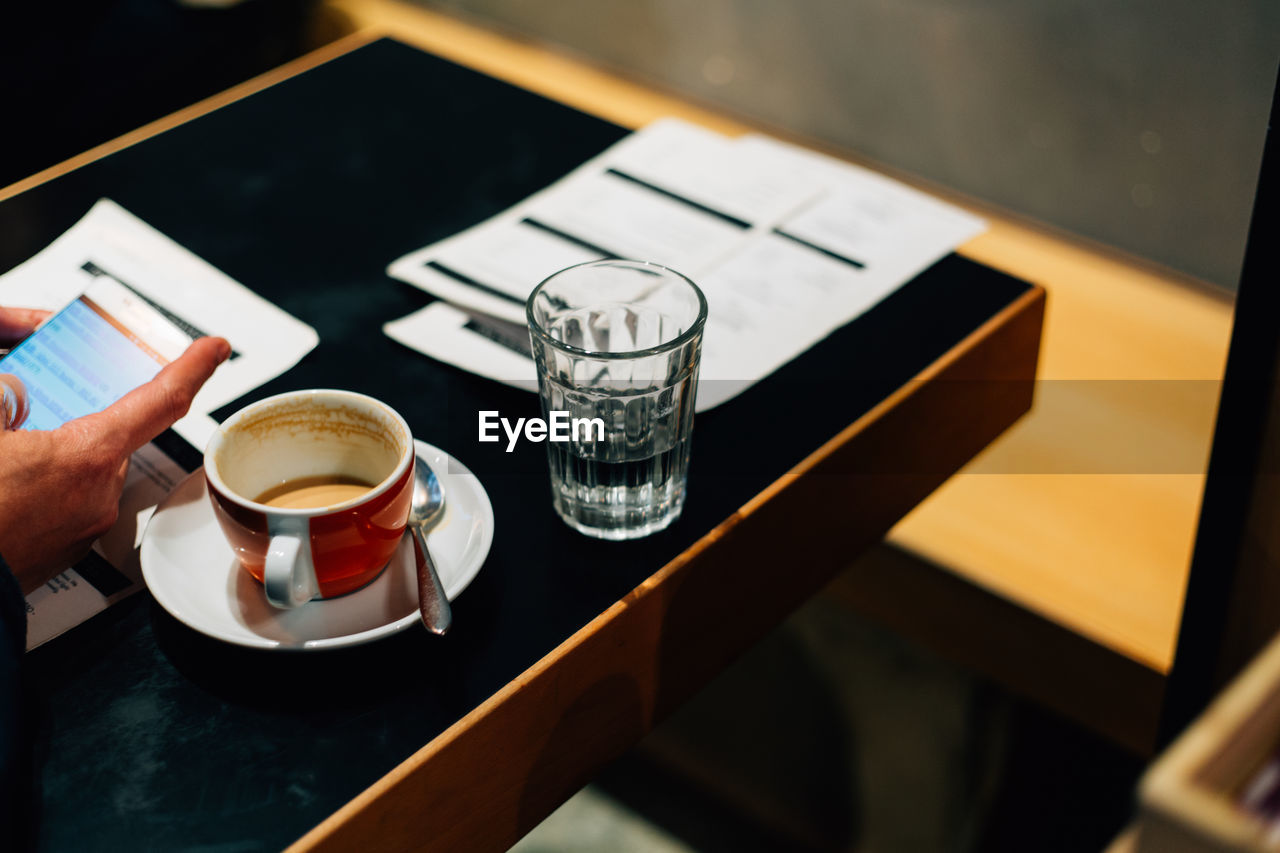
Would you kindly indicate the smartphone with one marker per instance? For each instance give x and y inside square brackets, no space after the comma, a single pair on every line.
[100,347]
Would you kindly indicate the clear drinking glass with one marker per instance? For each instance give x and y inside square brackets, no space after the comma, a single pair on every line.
[618,341]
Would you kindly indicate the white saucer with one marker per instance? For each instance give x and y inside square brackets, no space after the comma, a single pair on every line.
[192,572]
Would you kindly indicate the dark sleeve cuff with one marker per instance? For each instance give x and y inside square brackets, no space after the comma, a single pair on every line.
[17,775]
[13,611]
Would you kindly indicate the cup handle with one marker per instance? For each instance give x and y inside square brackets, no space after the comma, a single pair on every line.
[289,575]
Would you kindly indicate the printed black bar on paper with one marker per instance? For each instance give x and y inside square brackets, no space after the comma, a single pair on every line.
[604,254]
[696,205]
[503,334]
[471,282]
[101,575]
[830,254]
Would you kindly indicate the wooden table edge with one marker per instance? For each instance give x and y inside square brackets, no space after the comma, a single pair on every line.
[294,67]
[399,811]
[1026,312]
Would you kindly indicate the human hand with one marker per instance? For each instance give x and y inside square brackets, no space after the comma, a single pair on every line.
[15,324]
[62,487]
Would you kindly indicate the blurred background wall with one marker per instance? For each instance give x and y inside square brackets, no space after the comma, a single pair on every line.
[1139,124]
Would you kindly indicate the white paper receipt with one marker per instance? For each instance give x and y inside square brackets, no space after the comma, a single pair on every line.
[265,341]
[788,246]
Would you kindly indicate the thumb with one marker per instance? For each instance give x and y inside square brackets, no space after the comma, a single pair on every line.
[150,409]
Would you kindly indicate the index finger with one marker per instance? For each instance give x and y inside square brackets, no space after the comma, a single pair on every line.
[17,323]
[150,409]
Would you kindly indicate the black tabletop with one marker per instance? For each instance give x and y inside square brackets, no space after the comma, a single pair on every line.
[153,736]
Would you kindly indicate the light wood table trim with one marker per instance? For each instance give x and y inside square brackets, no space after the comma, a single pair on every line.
[500,770]
[1125,842]
[186,114]
[1104,555]
[1173,331]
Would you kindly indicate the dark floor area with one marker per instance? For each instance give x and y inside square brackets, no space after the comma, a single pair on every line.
[836,735]
[1063,788]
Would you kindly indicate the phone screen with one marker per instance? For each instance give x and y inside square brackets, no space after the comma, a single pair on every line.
[91,353]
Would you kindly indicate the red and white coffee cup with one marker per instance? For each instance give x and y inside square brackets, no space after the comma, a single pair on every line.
[322,551]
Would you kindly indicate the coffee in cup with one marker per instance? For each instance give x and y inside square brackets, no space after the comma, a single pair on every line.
[308,492]
[312,490]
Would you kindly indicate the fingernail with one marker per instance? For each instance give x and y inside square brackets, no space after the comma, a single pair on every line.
[224,350]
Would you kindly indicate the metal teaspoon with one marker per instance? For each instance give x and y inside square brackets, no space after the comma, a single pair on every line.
[426,512]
